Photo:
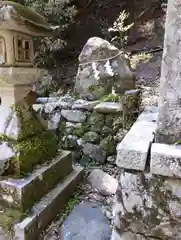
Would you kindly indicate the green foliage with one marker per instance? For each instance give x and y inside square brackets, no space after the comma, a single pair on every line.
[141,57]
[58,13]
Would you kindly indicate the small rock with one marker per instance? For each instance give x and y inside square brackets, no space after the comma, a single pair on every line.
[111,159]
[74,116]
[95,152]
[103,181]
[82,104]
[108,107]
[91,137]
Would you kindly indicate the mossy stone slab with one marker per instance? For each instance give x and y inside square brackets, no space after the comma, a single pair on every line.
[24,192]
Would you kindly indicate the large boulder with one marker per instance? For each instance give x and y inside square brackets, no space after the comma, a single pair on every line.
[113,73]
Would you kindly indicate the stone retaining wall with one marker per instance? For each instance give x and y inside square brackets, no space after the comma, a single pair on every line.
[90,129]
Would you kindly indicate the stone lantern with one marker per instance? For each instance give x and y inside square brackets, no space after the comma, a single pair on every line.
[19,127]
[18,26]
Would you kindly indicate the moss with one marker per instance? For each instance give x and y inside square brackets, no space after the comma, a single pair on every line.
[29,126]
[29,14]
[35,150]
[109,145]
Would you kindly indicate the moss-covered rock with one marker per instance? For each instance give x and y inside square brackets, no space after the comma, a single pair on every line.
[106,131]
[96,122]
[91,137]
[109,145]
[35,150]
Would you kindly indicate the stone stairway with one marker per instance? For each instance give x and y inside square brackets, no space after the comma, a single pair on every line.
[41,195]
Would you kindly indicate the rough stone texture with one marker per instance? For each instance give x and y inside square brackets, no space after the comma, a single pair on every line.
[169,119]
[148,205]
[102,181]
[48,207]
[87,85]
[87,222]
[91,137]
[132,152]
[95,152]
[166,160]
[21,194]
[74,115]
[108,107]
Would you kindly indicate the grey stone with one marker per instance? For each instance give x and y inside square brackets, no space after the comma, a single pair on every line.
[96,122]
[74,116]
[95,152]
[108,107]
[46,99]
[89,86]
[91,137]
[87,222]
[132,152]
[47,209]
[3,235]
[166,160]
[86,105]
[6,153]
[146,205]
[102,181]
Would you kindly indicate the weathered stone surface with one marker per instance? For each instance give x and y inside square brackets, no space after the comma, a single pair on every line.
[6,153]
[169,118]
[95,152]
[111,159]
[82,104]
[91,137]
[74,116]
[132,152]
[108,107]
[102,181]
[90,87]
[47,209]
[166,160]
[20,193]
[87,222]
[148,205]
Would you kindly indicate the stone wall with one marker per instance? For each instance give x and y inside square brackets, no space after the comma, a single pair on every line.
[90,129]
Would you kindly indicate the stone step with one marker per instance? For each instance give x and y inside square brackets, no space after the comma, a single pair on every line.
[23,193]
[47,209]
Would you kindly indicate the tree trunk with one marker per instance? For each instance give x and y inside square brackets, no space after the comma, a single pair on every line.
[169,119]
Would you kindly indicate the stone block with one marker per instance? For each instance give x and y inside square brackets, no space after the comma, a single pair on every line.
[109,107]
[133,150]
[23,193]
[102,181]
[87,222]
[166,160]
[47,209]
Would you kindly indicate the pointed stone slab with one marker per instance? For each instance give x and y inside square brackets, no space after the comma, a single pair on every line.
[48,208]
[132,152]
[166,160]
[23,193]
